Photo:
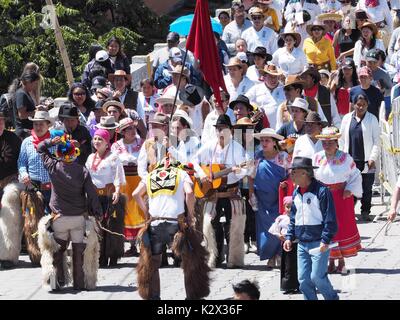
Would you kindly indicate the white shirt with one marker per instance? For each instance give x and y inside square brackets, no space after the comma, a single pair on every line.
[109,170]
[338,170]
[166,205]
[243,87]
[379,13]
[395,4]
[146,110]
[261,96]
[305,147]
[264,38]
[142,162]
[253,74]
[295,6]
[231,155]
[359,55]
[127,153]
[290,62]
[329,5]
[232,32]
[186,150]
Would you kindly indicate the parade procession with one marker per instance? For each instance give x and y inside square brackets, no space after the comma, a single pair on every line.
[254,154]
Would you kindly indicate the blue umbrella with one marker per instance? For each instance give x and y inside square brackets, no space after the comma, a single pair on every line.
[182,25]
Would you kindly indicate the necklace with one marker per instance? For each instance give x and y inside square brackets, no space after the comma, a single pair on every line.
[95,164]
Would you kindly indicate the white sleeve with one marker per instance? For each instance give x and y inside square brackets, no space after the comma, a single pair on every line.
[336,120]
[142,163]
[388,16]
[354,182]
[375,139]
[120,179]
[357,53]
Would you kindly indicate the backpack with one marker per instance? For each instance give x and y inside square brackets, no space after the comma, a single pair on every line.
[7,107]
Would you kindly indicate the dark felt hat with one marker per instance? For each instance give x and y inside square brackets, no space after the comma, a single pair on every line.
[223,120]
[68,111]
[241,99]
[302,163]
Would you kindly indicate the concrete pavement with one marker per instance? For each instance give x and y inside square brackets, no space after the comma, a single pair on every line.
[374,274]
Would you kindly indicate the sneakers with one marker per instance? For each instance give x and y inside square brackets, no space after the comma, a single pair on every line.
[246,247]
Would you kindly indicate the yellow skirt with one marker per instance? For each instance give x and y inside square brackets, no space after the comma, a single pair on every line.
[134,216]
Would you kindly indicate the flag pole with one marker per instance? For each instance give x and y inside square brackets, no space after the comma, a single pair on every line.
[179,84]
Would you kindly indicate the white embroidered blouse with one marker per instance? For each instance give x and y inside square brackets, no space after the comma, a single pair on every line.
[338,170]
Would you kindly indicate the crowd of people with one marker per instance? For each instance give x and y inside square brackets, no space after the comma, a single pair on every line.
[275,168]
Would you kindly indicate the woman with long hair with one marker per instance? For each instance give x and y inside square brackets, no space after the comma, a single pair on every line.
[346,38]
[340,87]
[367,42]
[80,96]
[108,176]
[25,103]
[119,60]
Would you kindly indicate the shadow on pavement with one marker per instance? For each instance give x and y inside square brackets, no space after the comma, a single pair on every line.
[383,271]
[373,250]
[116,288]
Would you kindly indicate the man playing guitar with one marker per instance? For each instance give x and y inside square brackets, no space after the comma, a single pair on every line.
[224,215]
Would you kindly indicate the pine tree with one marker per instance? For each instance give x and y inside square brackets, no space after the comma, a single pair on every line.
[83,23]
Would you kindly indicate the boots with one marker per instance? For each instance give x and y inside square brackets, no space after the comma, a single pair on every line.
[58,263]
[77,260]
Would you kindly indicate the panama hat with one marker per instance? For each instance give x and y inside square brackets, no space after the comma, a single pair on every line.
[160,118]
[289,30]
[108,123]
[234,62]
[125,123]
[183,114]
[119,73]
[293,79]
[178,70]
[41,116]
[167,99]
[300,103]
[114,103]
[371,25]
[332,16]
[244,122]
[316,24]
[268,132]
[302,163]
[329,133]
[271,69]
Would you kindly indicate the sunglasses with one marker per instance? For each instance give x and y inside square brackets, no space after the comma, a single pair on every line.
[317,29]
[79,94]
[257,17]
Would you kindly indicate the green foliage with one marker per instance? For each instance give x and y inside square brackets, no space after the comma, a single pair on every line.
[22,39]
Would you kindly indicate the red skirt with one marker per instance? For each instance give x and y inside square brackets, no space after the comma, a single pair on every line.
[347,236]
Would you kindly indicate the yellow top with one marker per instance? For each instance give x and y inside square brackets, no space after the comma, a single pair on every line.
[320,52]
[270,12]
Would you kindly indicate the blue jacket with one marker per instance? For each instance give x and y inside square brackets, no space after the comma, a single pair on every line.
[313,215]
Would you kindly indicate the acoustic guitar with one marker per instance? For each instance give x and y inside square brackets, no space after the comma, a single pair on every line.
[218,175]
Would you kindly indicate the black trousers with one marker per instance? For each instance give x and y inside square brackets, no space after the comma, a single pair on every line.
[367,183]
[289,269]
[221,229]
[250,229]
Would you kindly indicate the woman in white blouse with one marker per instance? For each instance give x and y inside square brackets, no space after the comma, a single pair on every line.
[290,58]
[338,171]
[108,176]
[367,42]
[260,57]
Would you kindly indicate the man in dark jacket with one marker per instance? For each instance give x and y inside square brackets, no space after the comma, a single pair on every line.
[313,223]
[69,115]
[73,196]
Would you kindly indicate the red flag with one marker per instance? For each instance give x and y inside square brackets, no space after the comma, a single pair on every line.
[201,42]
